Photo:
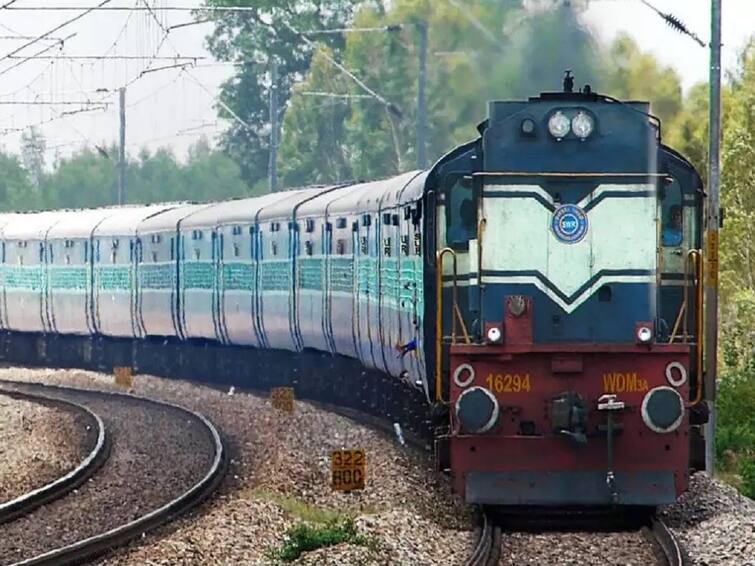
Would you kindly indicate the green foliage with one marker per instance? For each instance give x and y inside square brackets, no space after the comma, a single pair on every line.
[298,508]
[633,74]
[735,434]
[15,187]
[477,52]
[747,473]
[89,179]
[303,538]
[253,38]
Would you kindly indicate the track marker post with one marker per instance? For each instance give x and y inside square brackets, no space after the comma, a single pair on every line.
[348,470]
[282,399]
[124,377]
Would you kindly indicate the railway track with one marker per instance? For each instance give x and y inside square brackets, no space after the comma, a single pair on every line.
[28,502]
[164,460]
[488,550]
[487,546]
[669,545]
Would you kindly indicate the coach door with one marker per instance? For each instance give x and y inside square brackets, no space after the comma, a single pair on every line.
[678,214]
[365,255]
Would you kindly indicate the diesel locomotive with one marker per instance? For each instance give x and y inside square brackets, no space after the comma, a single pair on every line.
[531,304]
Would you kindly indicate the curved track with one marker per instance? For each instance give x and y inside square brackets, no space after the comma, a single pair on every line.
[147,436]
[669,545]
[486,549]
[57,488]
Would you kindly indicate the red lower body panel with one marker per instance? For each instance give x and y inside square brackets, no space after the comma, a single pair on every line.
[549,444]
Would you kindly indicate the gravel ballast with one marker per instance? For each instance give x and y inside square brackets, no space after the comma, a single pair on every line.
[598,549]
[38,444]
[715,523]
[279,476]
[156,454]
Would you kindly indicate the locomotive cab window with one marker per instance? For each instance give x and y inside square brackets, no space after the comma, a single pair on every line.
[461,211]
[672,215]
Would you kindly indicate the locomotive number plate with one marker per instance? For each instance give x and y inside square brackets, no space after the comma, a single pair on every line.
[509,382]
[282,398]
[124,377]
[347,469]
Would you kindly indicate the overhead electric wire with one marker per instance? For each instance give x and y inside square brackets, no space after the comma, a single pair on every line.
[674,22]
[50,32]
[107,57]
[101,8]
[38,53]
[390,106]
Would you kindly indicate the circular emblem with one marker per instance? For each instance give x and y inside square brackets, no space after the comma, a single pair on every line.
[569,223]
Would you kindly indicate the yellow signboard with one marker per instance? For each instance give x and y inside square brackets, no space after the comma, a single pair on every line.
[124,377]
[282,398]
[348,469]
[712,258]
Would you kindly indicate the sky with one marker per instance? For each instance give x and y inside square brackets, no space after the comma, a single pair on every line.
[172,106]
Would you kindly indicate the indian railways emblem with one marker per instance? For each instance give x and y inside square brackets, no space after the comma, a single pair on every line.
[569,223]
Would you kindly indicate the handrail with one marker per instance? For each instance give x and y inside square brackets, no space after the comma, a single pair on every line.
[681,318]
[482,224]
[455,314]
[697,258]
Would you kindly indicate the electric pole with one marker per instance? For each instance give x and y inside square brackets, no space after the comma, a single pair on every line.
[421,98]
[122,147]
[711,239]
[272,168]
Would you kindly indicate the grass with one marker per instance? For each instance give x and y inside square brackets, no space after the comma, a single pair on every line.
[301,510]
[316,527]
[304,537]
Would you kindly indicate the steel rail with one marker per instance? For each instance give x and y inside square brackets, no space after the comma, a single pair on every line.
[98,455]
[485,550]
[668,543]
[97,545]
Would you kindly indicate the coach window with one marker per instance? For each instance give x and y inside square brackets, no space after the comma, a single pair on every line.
[672,215]
[461,211]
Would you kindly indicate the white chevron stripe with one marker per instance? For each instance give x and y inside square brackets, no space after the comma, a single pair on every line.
[518,237]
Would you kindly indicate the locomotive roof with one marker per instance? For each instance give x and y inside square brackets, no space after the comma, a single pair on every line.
[125,220]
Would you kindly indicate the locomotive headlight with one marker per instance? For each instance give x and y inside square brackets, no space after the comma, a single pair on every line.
[494,334]
[558,125]
[582,125]
[644,334]
[662,409]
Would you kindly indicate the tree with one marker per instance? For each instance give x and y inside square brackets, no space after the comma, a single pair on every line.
[84,180]
[211,175]
[634,74]
[313,149]
[254,38]
[33,146]
[16,191]
[479,51]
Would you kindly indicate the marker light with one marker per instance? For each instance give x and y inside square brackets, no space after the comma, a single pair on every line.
[582,125]
[463,375]
[676,374]
[494,334]
[644,334]
[559,125]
